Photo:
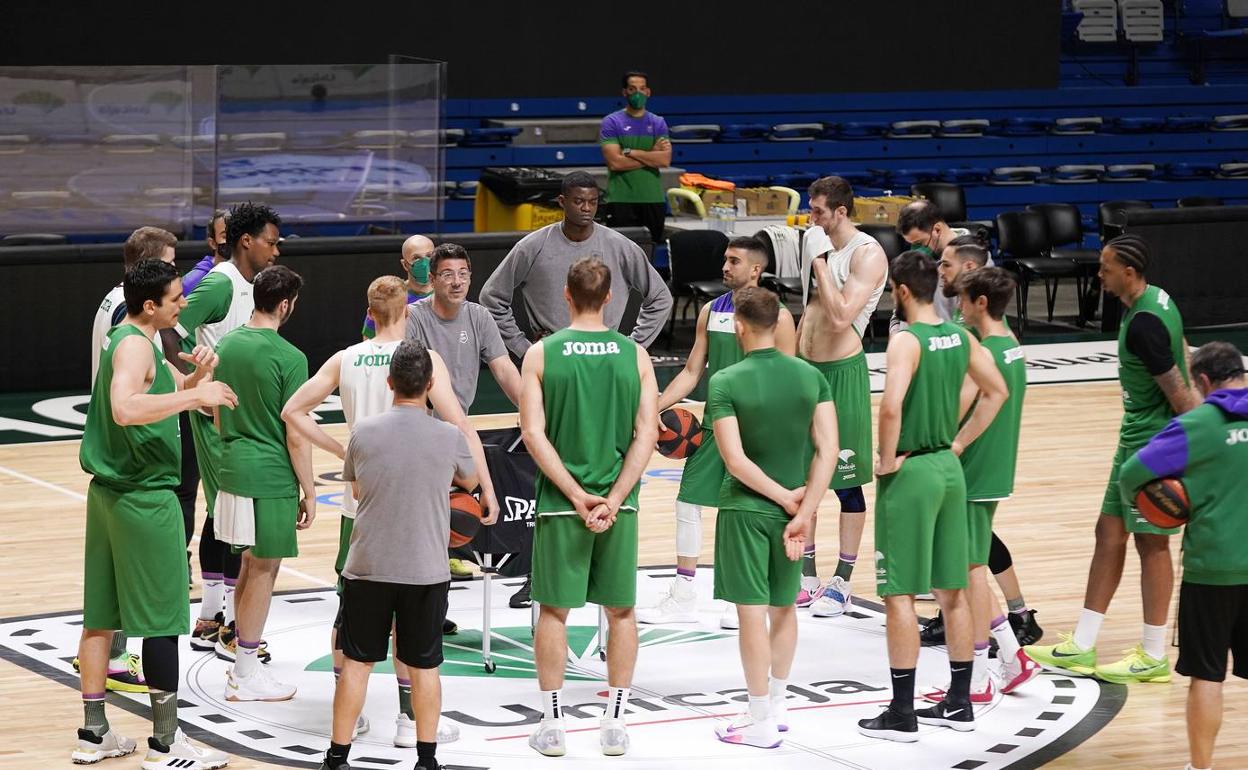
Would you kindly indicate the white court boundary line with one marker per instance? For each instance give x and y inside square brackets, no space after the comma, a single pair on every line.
[194,538]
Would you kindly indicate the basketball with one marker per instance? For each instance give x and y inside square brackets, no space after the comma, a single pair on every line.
[465,518]
[1164,503]
[681,435]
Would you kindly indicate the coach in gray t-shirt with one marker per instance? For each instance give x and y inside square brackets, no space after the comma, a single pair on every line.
[404,462]
[462,332]
[538,265]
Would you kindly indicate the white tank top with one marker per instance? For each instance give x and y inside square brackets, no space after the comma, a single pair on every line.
[103,322]
[241,305]
[838,264]
[362,387]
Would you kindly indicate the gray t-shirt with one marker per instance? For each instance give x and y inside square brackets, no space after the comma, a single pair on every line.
[404,461]
[466,342]
[539,263]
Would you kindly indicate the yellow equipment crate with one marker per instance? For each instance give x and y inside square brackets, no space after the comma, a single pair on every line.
[491,215]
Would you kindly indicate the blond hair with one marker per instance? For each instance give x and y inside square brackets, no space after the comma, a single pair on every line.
[387,300]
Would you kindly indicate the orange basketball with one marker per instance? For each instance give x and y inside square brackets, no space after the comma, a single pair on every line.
[1164,503]
[681,435]
[465,518]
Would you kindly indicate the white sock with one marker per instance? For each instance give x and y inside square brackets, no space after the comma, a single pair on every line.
[1088,628]
[246,659]
[1007,642]
[214,596]
[229,602]
[552,704]
[1154,641]
[979,666]
[617,701]
[779,688]
[760,707]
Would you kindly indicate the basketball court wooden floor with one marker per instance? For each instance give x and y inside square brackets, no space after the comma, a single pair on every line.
[1068,438]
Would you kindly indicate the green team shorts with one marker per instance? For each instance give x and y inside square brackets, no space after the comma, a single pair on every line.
[572,566]
[345,525]
[751,566]
[135,570]
[920,526]
[207,456]
[275,528]
[703,474]
[1111,503]
[851,394]
[979,515]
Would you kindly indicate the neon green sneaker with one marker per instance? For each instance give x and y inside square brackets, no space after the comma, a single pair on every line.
[1138,666]
[1066,656]
[460,570]
[125,674]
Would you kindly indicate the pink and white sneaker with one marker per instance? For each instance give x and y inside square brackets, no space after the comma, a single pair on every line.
[810,590]
[980,696]
[1018,672]
[744,731]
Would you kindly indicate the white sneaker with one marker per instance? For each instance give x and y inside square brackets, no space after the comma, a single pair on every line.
[361,726]
[549,738]
[925,597]
[744,731]
[93,748]
[183,755]
[613,735]
[405,732]
[260,686]
[729,620]
[834,601]
[809,590]
[678,605]
[780,713]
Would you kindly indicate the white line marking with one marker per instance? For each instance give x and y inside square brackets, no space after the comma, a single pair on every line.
[44,484]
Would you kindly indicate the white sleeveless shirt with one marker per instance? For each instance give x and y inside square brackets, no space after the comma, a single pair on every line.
[362,387]
[816,242]
[241,306]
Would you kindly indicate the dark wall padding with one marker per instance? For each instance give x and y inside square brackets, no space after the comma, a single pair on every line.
[1200,257]
[509,49]
[49,295]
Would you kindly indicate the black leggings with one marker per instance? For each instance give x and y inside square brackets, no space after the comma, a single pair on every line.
[160,662]
[190,478]
[216,556]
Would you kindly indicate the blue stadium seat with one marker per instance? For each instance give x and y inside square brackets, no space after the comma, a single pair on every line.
[965,175]
[1077,173]
[1233,170]
[693,133]
[744,132]
[1230,123]
[499,136]
[913,129]
[795,132]
[830,130]
[1179,123]
[1023,126]
[1129,172]
[863,129]
[1088,124]
[965,127]
[1015,175]
[1137,124]
[1184,171]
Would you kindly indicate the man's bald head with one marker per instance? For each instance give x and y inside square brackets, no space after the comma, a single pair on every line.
[417,244]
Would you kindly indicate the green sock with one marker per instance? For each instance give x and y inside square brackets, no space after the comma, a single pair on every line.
[845,566]
[118,648]
[808,562]
[93,718]
[405,698]
[1016,605]
[164,715]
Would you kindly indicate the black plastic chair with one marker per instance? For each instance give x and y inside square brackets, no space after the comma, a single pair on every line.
[949,198]
[1065,227]
[892,243]
[1025,251]
[1109,215]
[697,262]
[783,285]
[1195,201]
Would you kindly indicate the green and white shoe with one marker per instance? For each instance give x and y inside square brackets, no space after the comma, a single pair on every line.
[1064,656]
[1138,666]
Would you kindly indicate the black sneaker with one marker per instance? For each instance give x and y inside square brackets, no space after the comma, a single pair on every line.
[326,766]
[933,631]
[521,599]
[891,726]
[449,627]
[956,716]
[1025,627]
[434,766]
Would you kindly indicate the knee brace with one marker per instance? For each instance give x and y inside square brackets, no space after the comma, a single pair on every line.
[688,529]
[852,500]
[160,662]
[999,559]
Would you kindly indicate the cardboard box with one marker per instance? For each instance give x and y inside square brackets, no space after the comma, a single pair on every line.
[718,198]
[880,211]
[762,201]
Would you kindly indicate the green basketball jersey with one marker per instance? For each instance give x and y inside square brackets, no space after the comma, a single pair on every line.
[722,347]
[990,460]
[1146,410]
[929,413]
[773,396]
[264,371]
[591,390]
[130,457]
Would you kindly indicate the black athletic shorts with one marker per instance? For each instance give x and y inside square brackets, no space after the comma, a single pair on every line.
[1212,620]
[417,612]
[648,215]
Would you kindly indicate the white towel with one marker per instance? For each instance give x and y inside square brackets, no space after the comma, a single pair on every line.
[234,520]
[814,243]
[785,240]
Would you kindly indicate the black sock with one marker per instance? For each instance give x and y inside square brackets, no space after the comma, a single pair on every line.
[959,681]
[425,754]
[337,754]
[903,690]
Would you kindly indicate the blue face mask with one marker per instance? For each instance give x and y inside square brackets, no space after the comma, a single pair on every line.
[420,270]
